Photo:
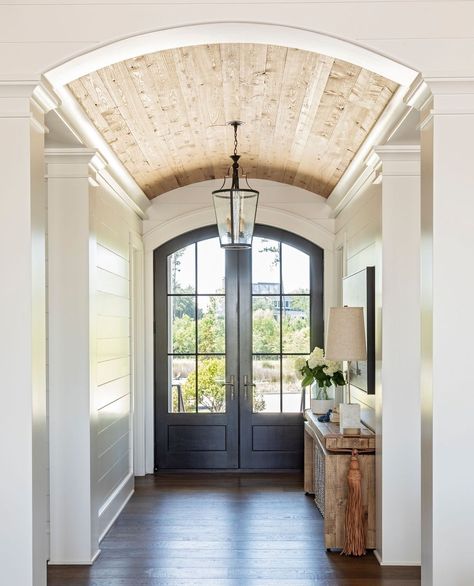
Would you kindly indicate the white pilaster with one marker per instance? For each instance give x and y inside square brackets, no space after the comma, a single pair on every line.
[23,432]
[73,512]
[447,220]
[398,406]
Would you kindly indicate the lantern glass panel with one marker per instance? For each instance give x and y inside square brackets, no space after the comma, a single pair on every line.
[235,215]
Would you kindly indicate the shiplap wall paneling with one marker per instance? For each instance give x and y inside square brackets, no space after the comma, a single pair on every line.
[359,232]
[113,401]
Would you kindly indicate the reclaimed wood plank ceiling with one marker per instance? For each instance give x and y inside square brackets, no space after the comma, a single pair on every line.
[164,114]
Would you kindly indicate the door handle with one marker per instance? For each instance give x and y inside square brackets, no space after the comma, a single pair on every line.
[231,384]
[247,385]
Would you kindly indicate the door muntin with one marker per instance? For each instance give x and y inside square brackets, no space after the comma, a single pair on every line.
[227,394]
[195,357]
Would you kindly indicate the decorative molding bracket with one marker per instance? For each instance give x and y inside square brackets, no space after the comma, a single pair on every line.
[399,160]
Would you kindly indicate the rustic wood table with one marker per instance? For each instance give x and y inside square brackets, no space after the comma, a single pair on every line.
[327,455]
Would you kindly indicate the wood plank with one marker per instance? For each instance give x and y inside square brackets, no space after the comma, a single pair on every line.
[112,305]
[110,261]
[164,113]
[110,392]
[258,528]
[113,284]
[112,369]
[109,348]
[112,327]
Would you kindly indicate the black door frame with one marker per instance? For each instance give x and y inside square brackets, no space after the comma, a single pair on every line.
[274,440]
[222,425]
[238,419]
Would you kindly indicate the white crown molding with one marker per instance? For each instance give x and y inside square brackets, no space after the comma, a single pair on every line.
[396,152]
[365,167]
[395,112]
[68,163]
[106,177]
[447,97]
[450,85]
[368,176]
[399,160]
[68,155]
[81,162]
[27,99]
[418,95]
[45,97]
[112,171]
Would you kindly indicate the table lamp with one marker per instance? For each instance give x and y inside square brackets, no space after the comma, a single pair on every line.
[346,341]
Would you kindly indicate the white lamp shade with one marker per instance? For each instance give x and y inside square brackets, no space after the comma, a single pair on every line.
[346,334]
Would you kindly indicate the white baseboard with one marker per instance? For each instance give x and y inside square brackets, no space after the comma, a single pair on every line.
[123,492]
[75,562]
[397,563]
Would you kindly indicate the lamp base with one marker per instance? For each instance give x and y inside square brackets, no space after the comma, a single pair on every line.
[349,418]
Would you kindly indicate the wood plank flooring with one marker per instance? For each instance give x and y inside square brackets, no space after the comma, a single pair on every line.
[224,530]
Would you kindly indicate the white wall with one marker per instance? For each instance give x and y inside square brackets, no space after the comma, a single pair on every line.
[434,36]
[358,238]
[111,226]
[22,340]
[91,402]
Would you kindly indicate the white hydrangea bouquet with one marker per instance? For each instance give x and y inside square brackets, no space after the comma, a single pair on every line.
[320,370]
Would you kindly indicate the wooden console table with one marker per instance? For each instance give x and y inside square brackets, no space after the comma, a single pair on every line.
[326,463]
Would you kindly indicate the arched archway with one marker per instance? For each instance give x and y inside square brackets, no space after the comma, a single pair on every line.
[230,32]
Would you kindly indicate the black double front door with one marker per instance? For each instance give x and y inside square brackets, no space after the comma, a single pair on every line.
[228,328]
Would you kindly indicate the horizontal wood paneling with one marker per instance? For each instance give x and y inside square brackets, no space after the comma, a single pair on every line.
[359,230]
[112,369]
[112,262]
[164,114]
[112,305]
[112,391]
[109,348]
[113,327]
[109,482]
[113,454]
[114,430]
[114,238]
[110,283]
[113,224]
[364,258]
[111,414]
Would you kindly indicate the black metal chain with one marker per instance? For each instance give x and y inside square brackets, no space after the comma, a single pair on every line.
[235,139]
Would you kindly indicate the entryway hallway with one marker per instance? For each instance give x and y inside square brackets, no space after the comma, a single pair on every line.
[224,529]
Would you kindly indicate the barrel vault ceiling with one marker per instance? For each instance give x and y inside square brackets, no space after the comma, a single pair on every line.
[164,114]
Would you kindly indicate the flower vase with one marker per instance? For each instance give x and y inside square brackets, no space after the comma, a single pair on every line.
[319,405]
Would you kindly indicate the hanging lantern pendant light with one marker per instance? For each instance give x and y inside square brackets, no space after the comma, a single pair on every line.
[235,207]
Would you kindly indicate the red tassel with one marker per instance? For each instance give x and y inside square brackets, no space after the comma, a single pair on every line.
[354,539]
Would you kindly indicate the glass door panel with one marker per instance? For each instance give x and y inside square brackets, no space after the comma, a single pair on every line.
[196,413]
[281,290]
[196,328]
[228,328]
[280,323]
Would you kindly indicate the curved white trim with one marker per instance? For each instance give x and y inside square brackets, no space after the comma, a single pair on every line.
[229,32]
[188,221]
[161,233]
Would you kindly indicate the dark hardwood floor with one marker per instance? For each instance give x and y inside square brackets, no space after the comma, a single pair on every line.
[224,530]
